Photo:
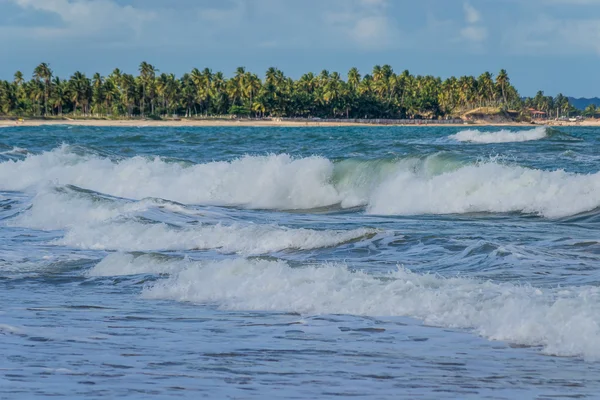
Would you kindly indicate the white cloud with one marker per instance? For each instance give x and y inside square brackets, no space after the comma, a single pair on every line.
[373,2]
[365,22]
[85,18]
[233,24]
[553,36]
[369,30]
[474,32]
[537,26]
[471,14]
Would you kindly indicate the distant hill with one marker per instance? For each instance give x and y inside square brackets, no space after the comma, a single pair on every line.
[582,103]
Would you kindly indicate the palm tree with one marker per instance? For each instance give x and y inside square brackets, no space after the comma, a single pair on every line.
[18,79]
[188,94]
[44,73]
[354,79]
[111,94]
[503,82]
[273,76]
[7,97]
[564,104]
[98,94]
[236,86]
[559,102]
[205,89]
[147,77]
[382,94]
[333,93]
[591,111]
[486,89]
[171,93]
[252,87]
[58,95]
[129,94]
[80,90]
[34,91]
[220,102]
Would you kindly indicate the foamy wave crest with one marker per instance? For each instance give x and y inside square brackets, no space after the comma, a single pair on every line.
[15,151]
[503,136]
[277,181]
[122,264]
[52,210]
[488,187]
[434,184]
[564,322]
[98,223]
[237,238]
[61,208]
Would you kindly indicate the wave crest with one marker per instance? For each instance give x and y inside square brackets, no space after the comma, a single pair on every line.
[502,136]
[95,222]
[435,184]
[564,322]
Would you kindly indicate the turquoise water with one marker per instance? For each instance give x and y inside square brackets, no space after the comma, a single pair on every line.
[376,262]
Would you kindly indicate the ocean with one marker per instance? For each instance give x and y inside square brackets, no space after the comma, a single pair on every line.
[288,263]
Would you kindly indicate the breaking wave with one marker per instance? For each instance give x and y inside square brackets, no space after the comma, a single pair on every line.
[564,322]
[246,239]
[503,136]
[435,184]
[96,222]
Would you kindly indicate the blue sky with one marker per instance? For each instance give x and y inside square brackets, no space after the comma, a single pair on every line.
[552,45]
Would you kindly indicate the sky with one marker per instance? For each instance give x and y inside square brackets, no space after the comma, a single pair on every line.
[549,45]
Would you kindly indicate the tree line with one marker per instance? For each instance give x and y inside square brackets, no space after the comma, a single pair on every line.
[559,106]
[202,93]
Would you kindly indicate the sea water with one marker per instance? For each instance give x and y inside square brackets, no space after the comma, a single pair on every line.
[375,262]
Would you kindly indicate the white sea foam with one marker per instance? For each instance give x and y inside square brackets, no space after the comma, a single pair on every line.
[488,187]
[15,151]
[103,224]
[503,136]
[9,329]
[247,239]
[122,264]
[53,210]
[565,322]
[431,185]
[277,181]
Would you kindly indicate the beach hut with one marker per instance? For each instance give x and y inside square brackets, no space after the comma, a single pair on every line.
[537,114]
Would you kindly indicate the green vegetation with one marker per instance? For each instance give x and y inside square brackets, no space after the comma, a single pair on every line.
[556,107]
[381,94]
[591,111]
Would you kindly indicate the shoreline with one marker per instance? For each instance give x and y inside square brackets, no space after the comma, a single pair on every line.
[272,123]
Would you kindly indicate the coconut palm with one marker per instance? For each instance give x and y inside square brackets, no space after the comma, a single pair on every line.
[381,94]
[58,95]
[7,97]
[486,89]
[147,77]
[98,94]
[44,73]
[353,79]
[80,92]
[591,111]
[503,82]
[252,87]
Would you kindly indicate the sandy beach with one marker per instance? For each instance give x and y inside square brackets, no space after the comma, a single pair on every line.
[171,123]
[258,123]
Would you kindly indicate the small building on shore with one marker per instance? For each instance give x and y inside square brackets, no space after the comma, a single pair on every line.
[537,114]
